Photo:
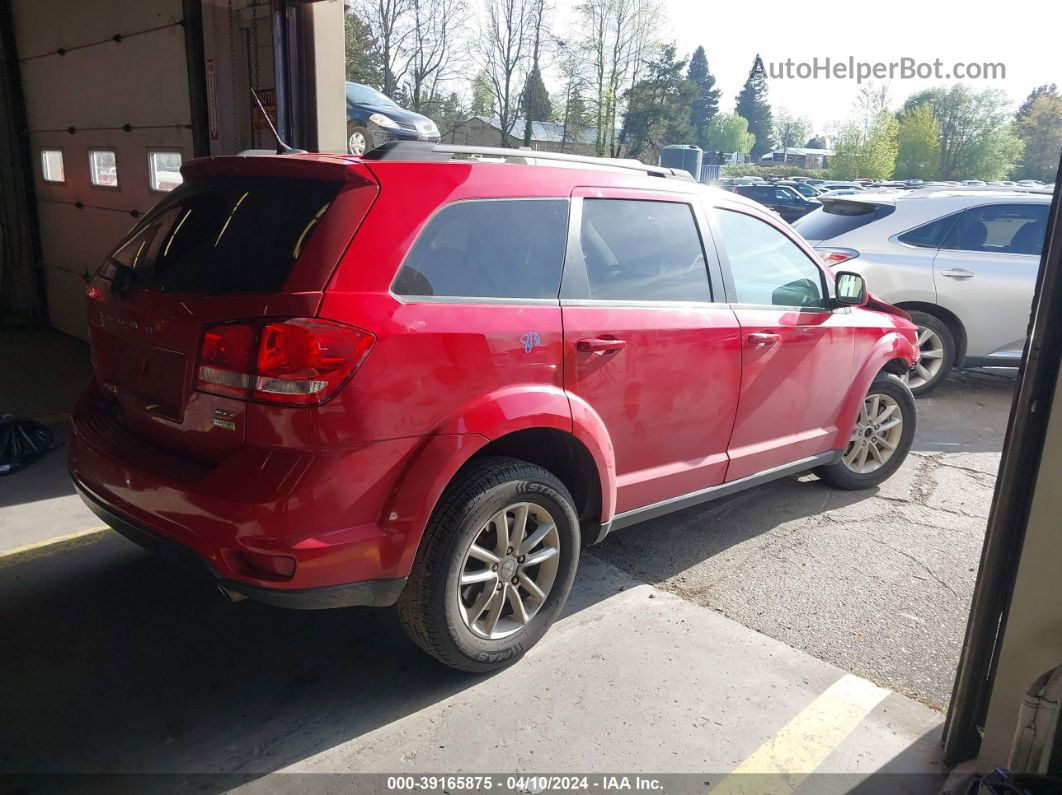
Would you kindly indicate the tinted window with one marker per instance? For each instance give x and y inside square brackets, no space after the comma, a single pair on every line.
[1000,228]
[838,217]
[767,266]
[643,251]
[216,236]
[929,235]
[489,249]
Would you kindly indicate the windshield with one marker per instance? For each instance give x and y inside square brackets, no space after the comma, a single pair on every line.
[364,95]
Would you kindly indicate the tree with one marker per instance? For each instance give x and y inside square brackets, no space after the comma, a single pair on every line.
[752,104]
[431,40]
[975,136]
[447,113]
[389,26]
[657,107]
[728,132]
[706,101]
[536,98]
[616,36]
[537,104]
[816,142]
[864,149]
[918,144]
[505,42]
[570,108]
[790,130]
[482,96]
[1049,89]
[362,63]
[1041,133]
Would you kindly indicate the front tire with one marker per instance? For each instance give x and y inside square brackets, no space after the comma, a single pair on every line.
[495,566]
[881,439]
[358,139]
[936,354]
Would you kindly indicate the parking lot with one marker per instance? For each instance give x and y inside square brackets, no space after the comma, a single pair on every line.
[100,634]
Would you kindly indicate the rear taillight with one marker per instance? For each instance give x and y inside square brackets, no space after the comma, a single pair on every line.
[225,359]
[835,256]
[297,362]
[304,362]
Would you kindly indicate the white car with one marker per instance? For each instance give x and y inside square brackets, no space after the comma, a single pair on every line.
[962,262]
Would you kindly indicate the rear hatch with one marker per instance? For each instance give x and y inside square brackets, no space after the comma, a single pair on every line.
[241,239]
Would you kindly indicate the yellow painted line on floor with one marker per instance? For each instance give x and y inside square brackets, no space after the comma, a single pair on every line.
[51,546]
[779,765]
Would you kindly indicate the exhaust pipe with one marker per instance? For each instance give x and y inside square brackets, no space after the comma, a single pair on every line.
[232,596]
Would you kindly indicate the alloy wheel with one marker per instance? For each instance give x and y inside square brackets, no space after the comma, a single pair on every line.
[508,570]
[930,358]
[356,144]
[876,435]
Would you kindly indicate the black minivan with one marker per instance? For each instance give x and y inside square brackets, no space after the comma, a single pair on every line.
[374,118]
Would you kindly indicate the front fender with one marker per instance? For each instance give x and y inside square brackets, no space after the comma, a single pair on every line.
[465,432]
[893,345]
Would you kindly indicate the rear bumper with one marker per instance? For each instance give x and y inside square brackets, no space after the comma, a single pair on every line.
[318,507]
[373,593]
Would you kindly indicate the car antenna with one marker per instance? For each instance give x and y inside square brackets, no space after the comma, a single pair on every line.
[282,148]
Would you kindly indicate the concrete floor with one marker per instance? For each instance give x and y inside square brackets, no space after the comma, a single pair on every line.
[114,662]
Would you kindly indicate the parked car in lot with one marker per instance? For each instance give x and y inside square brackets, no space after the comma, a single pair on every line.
[784,200]
[431,381]
[962,262]
[374,119]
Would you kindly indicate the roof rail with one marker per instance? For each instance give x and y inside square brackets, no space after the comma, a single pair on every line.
[938,189]
[425,151]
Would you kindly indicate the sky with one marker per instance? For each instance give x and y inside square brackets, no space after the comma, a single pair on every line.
[1020,34]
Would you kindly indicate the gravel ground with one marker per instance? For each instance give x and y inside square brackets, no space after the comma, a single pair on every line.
[877,582]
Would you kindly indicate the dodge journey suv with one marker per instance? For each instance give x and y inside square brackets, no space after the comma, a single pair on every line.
[430,375]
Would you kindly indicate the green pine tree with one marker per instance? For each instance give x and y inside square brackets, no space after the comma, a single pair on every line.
[706,101]
[752,104]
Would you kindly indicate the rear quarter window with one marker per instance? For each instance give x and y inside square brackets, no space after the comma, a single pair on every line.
[836,218]
[225,235]
[491,248]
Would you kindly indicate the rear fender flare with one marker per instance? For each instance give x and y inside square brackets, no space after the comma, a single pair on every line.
[461,435]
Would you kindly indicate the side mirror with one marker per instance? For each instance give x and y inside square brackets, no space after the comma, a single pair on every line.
[851,289]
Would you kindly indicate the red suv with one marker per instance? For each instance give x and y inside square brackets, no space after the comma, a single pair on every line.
[430,375]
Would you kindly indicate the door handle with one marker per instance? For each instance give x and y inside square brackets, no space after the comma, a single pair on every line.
[764,338]
[957,273]
[600,345]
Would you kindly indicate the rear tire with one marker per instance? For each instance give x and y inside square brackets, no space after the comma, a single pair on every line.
[936,354]
[878,446]
[475,600]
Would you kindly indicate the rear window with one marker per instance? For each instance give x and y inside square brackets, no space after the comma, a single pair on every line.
[226,235]
[839,217]
[493,248]
[929,235]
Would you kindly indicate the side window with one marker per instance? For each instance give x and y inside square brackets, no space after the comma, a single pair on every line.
[767,266]
[1000,228]
[489,249]
[929,235]
[638,250]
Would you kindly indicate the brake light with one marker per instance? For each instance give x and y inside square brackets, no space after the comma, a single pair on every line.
[835,256]
[225,360]
[304,362]
[297,362]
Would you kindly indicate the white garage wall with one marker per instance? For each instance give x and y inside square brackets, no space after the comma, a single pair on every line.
[141,81]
